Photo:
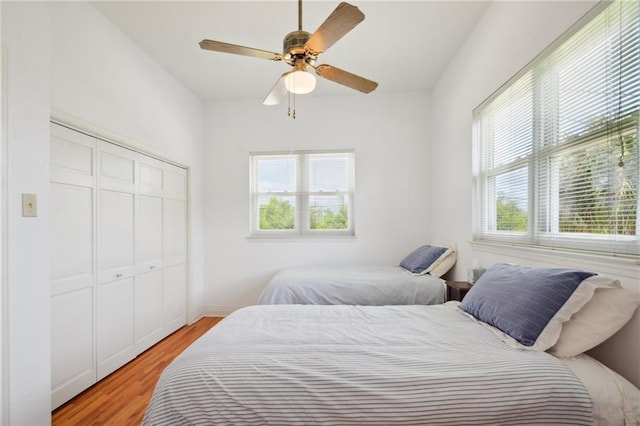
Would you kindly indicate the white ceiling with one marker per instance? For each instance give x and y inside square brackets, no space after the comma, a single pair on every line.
[404,46]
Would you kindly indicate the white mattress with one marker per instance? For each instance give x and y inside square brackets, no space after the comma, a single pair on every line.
[352,285]
[293,364]
[616,402]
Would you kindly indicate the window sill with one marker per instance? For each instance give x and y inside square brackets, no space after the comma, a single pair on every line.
[301,238]
[606,264]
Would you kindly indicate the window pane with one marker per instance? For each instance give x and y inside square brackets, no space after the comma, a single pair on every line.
[329,212]
[276,174]
[598,72]
[599,188]
[277,212]
[512,123]
[329,172]
[511,201]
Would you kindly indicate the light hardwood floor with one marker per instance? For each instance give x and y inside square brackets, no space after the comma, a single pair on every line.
[122,397]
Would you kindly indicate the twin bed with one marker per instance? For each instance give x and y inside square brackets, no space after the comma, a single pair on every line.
[410,364]
[352,285]
[415,281]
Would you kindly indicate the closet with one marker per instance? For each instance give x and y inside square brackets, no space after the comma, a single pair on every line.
[118,257]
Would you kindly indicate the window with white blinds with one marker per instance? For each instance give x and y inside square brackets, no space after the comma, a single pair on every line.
[555,154]
[302,193]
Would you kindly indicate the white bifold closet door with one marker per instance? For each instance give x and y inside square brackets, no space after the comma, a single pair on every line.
[73,232]
[118,257]
[148,295]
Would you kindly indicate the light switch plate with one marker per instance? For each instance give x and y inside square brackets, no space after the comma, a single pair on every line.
[29,205]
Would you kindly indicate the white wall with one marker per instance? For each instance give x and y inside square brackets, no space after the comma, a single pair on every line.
[25,33]
[509,35]
[389,135]
[66,58]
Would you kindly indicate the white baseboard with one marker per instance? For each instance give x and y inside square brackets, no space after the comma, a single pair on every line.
[219,311]
[194,316]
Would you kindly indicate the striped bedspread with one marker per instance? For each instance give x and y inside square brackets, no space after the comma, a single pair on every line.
[364,365]
[352,285]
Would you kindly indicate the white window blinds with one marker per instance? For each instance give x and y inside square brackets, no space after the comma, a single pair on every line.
[555,158]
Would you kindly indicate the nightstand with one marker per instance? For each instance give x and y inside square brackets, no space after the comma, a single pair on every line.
[456,290]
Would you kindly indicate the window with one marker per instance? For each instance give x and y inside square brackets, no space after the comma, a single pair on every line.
[302,193]
[555,155]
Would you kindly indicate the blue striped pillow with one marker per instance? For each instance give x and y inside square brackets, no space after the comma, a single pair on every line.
[522,301]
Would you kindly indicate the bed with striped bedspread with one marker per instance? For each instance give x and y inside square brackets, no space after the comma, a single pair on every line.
[339,365]
[351,285]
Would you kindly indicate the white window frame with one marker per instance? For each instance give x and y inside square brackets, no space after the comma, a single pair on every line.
[543,200]
[302,195]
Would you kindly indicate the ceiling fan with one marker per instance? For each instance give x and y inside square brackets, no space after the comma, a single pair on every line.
[301,50]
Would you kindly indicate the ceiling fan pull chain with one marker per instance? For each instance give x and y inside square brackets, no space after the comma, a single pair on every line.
[293,95]
[291,112]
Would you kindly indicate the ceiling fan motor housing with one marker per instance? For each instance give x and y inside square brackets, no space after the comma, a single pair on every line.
[293,45]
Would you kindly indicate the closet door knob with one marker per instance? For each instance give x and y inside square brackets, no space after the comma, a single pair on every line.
[152,267]
[118,275]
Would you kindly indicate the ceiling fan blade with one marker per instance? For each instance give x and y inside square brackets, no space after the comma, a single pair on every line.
[278,92]
[219,46]
[342,20]
[346,78]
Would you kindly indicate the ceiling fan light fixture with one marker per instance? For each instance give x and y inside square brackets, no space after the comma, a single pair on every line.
[301,49]
[300,82]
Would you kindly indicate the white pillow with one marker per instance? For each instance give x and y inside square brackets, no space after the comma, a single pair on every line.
[608,311]
[443,263]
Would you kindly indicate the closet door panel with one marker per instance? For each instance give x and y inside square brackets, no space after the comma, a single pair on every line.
[116,292]
[175,297]
[175,231]
[149,233]
[175,182]
[149,326]
[71,240]
[115,325]
[150,176]
[72,156]
[117,168]
[72,349]
[116,235]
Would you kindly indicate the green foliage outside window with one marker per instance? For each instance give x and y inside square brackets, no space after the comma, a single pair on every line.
[593,203]
[510,217]
[280,214]
[277,214]
[328,219]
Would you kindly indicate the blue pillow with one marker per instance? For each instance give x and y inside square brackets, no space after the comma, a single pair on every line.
[421,258]
[522,301]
